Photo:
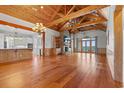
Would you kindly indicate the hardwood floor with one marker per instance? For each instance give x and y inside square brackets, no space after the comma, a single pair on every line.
[78,70]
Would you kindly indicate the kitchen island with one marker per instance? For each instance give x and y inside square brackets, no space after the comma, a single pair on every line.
[12,55]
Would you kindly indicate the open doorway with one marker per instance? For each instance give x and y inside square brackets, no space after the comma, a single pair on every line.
[88,45]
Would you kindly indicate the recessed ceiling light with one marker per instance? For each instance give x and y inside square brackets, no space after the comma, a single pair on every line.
[41,7]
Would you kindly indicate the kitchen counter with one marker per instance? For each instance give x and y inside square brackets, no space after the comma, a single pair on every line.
[12,55]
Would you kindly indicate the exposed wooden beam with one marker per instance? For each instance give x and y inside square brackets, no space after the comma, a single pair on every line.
[88,16]
[101,27]
[15,25]
[95,27]
[76,14]
[92,22]
[90,29]
[83,17]
[60,14]
[62,26]
[118,43]
[101,15]
[70,10]
[92,16]
[74,30]
[65,9]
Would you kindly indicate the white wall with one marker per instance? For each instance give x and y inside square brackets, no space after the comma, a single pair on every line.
[49,36]
[110,46]
[36,45]
[1,41]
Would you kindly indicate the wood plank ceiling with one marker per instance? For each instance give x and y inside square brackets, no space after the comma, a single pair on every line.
[73,18]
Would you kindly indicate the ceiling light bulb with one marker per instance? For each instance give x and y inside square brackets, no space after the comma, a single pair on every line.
[41,7]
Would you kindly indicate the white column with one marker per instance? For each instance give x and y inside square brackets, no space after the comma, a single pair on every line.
[72,43]
[1,41]
[36,48]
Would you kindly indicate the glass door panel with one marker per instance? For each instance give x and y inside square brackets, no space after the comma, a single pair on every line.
[93,46]
[84,45]
[87,46]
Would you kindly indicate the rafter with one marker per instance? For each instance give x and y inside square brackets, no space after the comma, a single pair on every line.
[101,27]
[62,26]
[76,14]
[101,15]
[65,9]
[92,22]
[70,10]
[92,16]
[74,30]
[89,29]
[83,17]
[94,27]
[60,14]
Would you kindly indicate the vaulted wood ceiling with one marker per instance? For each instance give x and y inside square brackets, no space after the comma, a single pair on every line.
[74,18]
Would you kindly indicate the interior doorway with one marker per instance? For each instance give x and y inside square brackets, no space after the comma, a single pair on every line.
[88,45]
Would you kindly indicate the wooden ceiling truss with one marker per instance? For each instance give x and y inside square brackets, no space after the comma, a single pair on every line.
[60,17]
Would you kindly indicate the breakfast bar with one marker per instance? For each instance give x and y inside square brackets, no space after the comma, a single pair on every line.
[11,55]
